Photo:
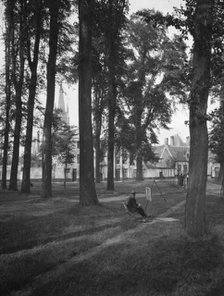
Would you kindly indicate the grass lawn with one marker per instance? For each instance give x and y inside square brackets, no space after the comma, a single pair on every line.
[55,247]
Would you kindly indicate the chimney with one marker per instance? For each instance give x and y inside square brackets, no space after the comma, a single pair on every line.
[166,141]
[172,141]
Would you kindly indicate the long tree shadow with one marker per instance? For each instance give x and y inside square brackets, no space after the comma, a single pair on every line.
[167,267]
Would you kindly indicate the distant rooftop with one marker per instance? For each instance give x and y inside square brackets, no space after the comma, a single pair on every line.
[176,141]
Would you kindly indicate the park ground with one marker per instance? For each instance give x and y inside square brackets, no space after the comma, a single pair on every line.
[55,247]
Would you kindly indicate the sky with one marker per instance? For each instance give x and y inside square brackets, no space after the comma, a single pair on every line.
[178,125]
[165,6]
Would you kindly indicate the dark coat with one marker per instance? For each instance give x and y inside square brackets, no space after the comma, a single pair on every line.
[132,204]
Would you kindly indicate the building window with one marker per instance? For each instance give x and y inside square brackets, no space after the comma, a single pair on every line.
[185,169]
[78,144]
[78,158]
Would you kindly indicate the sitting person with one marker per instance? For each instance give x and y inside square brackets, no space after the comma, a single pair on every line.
[133,206]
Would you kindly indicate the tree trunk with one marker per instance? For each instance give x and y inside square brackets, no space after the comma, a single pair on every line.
[111,129]
[65,174]
[221,171]
[138,143]
[98,109]
[6,134]
[18,85]
[138,117]
[8,85]
[87,187]
[221,178]
[25,187]
[138,126]
[97,151]
[196,194]
[30,105]
[16,142]
[139,173]
[111,100]
[97,164]
[51,72]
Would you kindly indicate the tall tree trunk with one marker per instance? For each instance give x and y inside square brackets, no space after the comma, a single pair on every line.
[97,160]
[111,127]
[65,174]
[25,187]
[87,187]
[16,142]
[98,126]
[138,143]
[6,130]
[138,118]
[139,172]
[113,28]
[48,118]
[111,99]
[18,85]
[8,85]
[196,194]
[221,171]
[221,178]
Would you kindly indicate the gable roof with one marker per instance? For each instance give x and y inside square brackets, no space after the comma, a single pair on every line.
[179,151]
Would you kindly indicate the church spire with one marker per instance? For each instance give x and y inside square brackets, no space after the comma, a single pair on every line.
[61,100]
[61,105]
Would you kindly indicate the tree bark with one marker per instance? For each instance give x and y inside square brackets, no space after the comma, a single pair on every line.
[51,72]
[196,194]
[111,39]
[25,187]
[138,140]
[111,127]
[139,100]
[8,85]
[221,171]
[18,85]
[98,126]
[87,187]
[221,178]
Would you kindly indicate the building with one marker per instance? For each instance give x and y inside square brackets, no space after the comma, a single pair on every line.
[173,156]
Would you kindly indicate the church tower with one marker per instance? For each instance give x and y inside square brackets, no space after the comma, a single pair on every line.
[61,105]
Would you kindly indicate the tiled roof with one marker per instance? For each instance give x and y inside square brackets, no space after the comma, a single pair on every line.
[179,153]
